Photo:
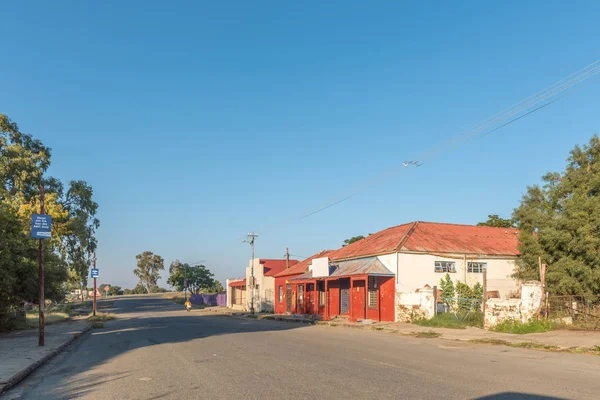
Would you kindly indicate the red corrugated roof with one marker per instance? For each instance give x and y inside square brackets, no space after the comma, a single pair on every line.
[433,237]
[272,267]
[241,282]
[302,267]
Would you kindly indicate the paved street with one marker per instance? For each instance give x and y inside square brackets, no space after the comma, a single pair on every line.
[157,351]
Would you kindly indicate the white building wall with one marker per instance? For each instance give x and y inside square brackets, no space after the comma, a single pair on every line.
[264,291]
[418,270]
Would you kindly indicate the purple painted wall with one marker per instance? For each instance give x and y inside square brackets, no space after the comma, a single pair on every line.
[219,299]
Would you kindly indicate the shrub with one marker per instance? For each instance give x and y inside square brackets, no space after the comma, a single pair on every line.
[452,321]
[520,328]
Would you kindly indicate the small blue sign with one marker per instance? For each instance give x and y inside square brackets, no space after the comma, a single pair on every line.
[41,226]
[95,272]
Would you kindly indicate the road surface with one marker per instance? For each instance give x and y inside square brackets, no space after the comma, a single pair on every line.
[155,350]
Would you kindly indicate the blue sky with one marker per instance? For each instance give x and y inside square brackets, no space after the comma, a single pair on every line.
[196,122]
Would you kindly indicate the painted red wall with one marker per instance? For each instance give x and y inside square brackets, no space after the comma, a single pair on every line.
[333,288]
[387,294]
[280,306]
[358,300]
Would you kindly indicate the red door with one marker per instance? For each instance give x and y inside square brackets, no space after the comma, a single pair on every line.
[358,300]
[310,292]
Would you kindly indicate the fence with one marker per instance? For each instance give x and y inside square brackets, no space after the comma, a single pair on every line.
[581,311]
[212,299]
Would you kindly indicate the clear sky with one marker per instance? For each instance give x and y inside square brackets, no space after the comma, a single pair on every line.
[196,122]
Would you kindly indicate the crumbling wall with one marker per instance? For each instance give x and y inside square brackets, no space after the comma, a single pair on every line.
[523,309]
[415,305]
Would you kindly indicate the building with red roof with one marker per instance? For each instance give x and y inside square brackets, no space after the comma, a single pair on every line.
[258,288]
[366,279]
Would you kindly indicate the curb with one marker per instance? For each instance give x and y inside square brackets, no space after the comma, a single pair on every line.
[19,376]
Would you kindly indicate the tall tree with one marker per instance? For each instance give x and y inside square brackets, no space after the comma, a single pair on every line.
[495,221]
[196,278]
[148,269]
[559,221]
[352,240]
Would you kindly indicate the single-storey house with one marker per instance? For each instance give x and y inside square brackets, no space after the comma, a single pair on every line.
[366,279]
[285,292]
[239,292]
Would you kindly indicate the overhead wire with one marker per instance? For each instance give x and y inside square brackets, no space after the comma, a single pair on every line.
[515,112]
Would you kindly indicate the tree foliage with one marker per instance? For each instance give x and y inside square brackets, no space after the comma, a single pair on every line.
[559,221]
[352,240]
[447,288]
[495,221]
[148,269]
[24,162]
[196,279]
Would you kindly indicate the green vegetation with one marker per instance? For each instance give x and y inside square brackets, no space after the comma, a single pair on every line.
[495,221]
[352,240]
[197,278]
[148,270]
[101,317]
[447,287]
[559,221]
[32,318]
[452,321]
[517,327]
[24,161]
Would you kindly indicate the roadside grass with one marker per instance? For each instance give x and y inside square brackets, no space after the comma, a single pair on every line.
[519,328]
[32,318]
[427,335]
[101,317]
[452,321]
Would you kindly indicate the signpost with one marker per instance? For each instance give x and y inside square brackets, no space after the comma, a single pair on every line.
[41,228]
[95,275]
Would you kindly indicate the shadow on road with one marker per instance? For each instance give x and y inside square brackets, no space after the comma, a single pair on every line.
[140,323]
[517,396]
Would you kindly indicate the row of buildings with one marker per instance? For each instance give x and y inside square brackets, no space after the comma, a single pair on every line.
[371,278]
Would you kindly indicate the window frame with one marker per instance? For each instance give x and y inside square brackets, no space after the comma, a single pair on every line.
[443,267]
[372,303]
[280,294]
[481,265]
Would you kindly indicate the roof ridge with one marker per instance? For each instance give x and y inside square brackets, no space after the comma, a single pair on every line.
[406,235]
[474,226]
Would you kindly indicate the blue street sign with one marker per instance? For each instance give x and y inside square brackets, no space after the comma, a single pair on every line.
[41,226]
[95,272]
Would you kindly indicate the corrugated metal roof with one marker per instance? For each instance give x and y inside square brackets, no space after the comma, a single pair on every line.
[432,237]
[361,266]
[302,266]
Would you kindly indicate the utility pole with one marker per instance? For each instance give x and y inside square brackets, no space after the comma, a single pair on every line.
[41,276]
[185,282]
[251,237]
[287,258]
[94,308]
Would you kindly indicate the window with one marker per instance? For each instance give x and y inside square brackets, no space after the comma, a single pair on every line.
[281,293]
[445,266]
[476,267]
[372,292]
[321,289]
[300,293]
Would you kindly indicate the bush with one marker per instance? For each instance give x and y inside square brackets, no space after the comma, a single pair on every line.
[449,320]
[519,328]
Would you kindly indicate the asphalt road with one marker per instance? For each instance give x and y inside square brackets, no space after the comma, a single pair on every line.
[154,350]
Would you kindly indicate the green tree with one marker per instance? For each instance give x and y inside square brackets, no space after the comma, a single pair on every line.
[559,221]
[139,289]
[465,296]
[148,269]
[496,221]
[115,290]
[199,278]
[352,240]
[447,288]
